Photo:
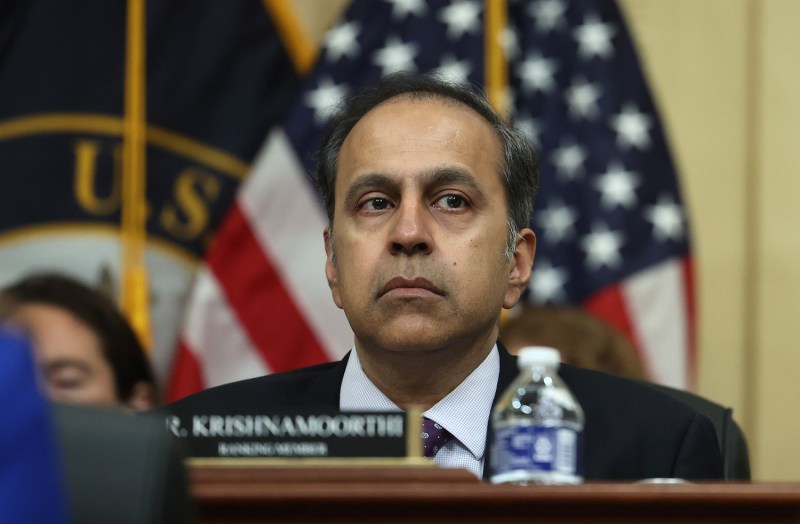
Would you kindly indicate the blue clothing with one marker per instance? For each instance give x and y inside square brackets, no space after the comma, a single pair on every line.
[31,487]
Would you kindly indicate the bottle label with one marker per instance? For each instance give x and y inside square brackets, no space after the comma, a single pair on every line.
[537,453]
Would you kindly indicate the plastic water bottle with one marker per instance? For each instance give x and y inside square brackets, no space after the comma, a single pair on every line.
[538,425]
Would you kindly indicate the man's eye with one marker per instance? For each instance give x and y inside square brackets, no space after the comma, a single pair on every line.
[452,202]
[376,204]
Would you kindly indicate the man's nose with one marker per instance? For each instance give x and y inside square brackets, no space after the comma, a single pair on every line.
[411,230]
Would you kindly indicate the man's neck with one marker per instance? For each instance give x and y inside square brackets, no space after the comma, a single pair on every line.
[421,378]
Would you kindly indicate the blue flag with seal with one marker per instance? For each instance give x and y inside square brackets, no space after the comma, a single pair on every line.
[217,76]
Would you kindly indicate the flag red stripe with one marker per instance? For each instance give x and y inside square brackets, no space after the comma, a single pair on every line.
[691,321]
[609,305]
[256,293]
[186,377]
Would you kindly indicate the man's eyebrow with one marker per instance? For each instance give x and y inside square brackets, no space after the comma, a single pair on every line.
[435,177]
[371,181]
[453,175]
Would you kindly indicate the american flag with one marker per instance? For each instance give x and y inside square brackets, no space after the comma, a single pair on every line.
[612,230]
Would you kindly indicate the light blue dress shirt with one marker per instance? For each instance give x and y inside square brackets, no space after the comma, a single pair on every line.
[464,412]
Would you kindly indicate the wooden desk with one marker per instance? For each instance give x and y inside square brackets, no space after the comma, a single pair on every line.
[422,494]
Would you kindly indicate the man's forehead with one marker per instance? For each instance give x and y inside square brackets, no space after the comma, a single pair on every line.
[411,136]
[402,120]
[415,98]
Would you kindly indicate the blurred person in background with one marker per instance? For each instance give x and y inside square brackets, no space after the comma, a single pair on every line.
[86,351]
[583,340]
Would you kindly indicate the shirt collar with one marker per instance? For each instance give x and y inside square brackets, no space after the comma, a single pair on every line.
[464,412]
[358,392]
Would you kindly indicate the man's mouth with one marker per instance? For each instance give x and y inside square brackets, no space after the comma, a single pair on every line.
[410,286]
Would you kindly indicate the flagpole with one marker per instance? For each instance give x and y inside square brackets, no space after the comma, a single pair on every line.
[302,50]
[496,67]
[135,291]
[496,63]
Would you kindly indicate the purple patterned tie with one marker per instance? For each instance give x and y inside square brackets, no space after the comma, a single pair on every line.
[434,437]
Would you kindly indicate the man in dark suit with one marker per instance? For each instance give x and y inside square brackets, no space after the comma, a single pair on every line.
[428,194]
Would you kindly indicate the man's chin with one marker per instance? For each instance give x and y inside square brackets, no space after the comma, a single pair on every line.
[417,340]
[407,338]
[417,346]
[439,328]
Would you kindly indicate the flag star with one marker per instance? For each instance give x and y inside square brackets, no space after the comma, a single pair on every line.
[402,8]
[558,222]
[325,99]
[667,219]
[341,41]
[530,128]
[452,70]
[617,187]
[602,247]
[396,56]
[547,283]
[461,17]
[632,127]
[594,38]
[582,99]
[569,160]
[509,41]
[549,14]
[537,73]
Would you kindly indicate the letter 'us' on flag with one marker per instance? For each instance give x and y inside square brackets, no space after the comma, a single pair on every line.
[218,76]
[612,228]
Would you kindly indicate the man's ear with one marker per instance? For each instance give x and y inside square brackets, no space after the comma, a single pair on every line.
[143,397]
[520,274]
[330,266]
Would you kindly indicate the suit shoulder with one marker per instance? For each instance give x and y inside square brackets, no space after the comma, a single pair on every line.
[621,394]
[613,402]
[277,390]
[634,431]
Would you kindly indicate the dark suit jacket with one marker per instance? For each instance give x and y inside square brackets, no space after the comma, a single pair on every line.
[630,432]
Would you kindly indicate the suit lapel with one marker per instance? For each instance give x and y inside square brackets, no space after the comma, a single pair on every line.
[508,372]
[325,391]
